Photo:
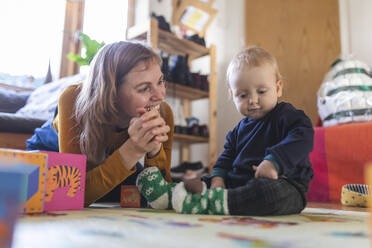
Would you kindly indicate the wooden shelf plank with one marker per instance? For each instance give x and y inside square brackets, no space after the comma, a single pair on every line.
[189,138]
[185,92]
[169,42]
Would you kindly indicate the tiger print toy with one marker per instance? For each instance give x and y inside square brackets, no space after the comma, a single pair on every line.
[60,176]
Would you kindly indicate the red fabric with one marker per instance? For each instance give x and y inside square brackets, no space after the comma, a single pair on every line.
[347,149]
[319,187]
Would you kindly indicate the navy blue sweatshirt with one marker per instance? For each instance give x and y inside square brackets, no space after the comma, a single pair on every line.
[284,134]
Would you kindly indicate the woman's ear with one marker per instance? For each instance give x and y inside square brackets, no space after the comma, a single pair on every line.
[279,87]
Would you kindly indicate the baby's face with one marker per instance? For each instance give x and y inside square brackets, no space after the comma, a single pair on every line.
[255,90]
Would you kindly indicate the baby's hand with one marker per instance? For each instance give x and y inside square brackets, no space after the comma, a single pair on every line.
[266,169]
[217,182]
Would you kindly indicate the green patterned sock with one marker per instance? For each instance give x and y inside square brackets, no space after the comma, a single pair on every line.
[210,201]
[155,189]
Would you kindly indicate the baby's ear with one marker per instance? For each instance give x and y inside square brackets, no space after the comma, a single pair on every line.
[279,88]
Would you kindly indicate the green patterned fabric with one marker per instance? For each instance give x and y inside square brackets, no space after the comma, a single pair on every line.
[210,201]
[155,189]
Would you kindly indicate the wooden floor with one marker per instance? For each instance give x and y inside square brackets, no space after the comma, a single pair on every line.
[337,206]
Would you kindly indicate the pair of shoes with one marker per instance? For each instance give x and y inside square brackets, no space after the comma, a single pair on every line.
[198,130]
[195,38]
[179,70]
[162,23]
[183,167]
[192,128]
[165,67]
[200,81]
[180,129]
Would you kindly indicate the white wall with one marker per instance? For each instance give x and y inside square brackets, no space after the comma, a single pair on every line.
[355,27]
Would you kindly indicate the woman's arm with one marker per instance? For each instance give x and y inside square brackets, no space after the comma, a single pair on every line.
[102,178]
[163,159]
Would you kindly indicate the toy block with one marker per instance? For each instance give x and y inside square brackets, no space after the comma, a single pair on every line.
[130,196]
[65,181]
[30,179]
[32,167]
[10,196]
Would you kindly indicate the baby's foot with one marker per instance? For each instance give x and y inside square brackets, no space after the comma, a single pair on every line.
[194,185]
[155,189]
[210,201]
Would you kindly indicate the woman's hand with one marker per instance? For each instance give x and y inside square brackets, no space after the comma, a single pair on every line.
[148,131]
[217,182]
[266,169]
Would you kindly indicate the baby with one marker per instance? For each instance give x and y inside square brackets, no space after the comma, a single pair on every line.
[265,167]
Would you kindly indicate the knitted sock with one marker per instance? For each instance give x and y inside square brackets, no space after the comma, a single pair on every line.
[210,201]
[155,189]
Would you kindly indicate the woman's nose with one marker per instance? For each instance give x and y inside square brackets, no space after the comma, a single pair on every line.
[158,92]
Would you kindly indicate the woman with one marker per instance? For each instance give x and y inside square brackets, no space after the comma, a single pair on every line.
[116,117]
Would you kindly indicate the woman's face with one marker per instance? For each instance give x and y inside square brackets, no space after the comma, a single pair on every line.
[144,87]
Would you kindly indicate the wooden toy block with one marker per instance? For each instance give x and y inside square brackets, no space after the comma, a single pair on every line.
[130,196]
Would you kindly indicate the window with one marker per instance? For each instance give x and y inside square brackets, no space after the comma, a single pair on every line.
[105,20]
[31,35]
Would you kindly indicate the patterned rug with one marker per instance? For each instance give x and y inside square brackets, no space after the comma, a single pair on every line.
[103,226]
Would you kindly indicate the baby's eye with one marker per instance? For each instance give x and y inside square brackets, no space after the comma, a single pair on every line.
[261,92]
[242,96]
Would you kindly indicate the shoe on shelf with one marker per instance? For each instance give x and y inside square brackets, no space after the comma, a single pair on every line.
[162,23]
[195,38]
[204,85]
[181,168]
[203,131]
[180,129]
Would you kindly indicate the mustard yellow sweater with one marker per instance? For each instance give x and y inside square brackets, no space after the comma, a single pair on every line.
[101,179]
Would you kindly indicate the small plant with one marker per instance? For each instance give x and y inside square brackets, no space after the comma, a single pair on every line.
[90,46]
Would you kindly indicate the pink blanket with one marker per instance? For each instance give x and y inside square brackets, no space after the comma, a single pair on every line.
[339,157]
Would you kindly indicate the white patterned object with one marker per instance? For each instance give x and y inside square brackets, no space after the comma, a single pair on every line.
[43,100]
[345,95]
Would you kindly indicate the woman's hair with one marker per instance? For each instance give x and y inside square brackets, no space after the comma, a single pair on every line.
[252,56]
[96,111]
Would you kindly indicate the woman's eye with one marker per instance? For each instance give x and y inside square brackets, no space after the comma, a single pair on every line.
[161,82]
[147,88]
[242,96]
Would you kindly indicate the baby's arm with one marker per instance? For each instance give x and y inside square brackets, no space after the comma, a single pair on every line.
[266,169]
[217,182]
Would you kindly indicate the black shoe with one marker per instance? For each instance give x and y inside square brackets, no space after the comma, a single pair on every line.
[179,70]
[162,23]
[203,131]
[181,168]
[204,83]
[196,38]
[165,68]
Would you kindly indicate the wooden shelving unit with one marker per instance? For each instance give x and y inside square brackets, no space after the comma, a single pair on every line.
[185,92]
[171,44]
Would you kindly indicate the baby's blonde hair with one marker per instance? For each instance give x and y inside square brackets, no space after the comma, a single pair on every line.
[252,56]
